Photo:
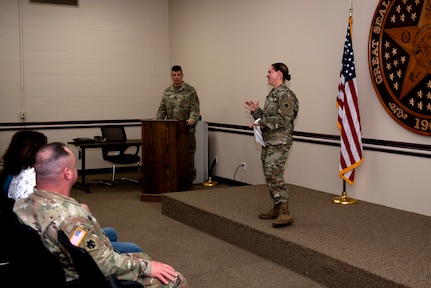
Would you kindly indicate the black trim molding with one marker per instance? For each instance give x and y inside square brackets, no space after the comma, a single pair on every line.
[73,3]
[66,124]
[384,146]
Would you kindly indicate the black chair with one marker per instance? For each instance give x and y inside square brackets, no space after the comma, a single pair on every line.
[28,262]
[89,273]
[116,154]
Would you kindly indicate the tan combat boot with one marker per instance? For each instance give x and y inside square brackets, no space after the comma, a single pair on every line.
[271,214]
[284,217]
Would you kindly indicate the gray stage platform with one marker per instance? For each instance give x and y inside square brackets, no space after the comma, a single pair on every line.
[360,245]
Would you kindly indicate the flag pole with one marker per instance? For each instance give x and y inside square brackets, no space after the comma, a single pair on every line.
[343,199]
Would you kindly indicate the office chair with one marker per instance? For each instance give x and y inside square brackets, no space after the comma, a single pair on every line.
[116,153]
[89,273]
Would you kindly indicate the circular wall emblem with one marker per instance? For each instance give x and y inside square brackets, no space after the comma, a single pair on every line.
[400,61]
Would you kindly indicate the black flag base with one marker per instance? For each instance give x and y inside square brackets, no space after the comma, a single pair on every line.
[344,199]
[209,183]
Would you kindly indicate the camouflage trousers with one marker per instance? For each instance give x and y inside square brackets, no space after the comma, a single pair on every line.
[274,158]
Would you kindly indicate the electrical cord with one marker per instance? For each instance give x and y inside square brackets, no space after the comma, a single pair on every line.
[212,168]
[236,171]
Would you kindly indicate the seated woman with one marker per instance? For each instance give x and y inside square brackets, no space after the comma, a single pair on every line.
[18,177]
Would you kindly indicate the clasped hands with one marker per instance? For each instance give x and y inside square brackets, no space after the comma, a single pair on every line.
[190,122]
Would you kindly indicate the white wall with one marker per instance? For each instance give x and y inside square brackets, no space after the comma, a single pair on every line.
[226,47]
[103,60]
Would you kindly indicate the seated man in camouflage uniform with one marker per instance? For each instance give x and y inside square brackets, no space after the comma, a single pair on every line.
[50,209]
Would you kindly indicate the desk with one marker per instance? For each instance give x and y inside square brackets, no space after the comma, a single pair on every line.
[86,145]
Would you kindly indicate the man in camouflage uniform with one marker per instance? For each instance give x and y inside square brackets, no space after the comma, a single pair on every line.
[276,123]
[50,209]
[180,102]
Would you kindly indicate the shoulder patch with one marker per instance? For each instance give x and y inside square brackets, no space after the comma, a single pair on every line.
[286,106]
[82,239]
[90,244]
[77,236]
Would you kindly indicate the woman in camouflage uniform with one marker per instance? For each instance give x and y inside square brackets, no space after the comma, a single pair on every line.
[276,123]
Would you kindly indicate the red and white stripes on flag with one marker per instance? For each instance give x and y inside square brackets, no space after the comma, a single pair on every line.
[348,113]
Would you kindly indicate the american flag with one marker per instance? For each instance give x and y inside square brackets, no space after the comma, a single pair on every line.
[348,113]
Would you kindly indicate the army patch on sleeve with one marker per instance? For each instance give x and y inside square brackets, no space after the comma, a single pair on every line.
[77,236]
[90,244]
[81,238]
[286,106]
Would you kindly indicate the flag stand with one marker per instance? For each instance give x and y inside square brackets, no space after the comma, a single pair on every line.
[344,199]
[211,183]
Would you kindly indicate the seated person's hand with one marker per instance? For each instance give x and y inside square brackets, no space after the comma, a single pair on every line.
[85,207]
[163,272]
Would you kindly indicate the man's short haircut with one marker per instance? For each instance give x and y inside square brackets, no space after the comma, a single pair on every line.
[177,68]
[47,158]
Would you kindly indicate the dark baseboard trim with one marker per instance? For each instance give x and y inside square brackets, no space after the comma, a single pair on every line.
[132,169]
[228,182]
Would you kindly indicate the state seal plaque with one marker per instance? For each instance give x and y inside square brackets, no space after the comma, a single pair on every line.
[400,61]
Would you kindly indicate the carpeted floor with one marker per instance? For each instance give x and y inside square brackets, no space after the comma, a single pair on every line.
[206,261]
[380,246]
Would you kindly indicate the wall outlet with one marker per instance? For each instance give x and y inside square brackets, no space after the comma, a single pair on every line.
[21,114]
[244,166]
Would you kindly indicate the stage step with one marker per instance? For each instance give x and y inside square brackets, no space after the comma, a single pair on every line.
[358,245]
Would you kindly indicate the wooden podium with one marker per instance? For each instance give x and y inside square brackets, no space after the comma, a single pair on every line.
[165,158]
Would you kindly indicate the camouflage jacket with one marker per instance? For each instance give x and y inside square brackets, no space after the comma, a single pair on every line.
[278,116]
[179,103]
[48,212]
